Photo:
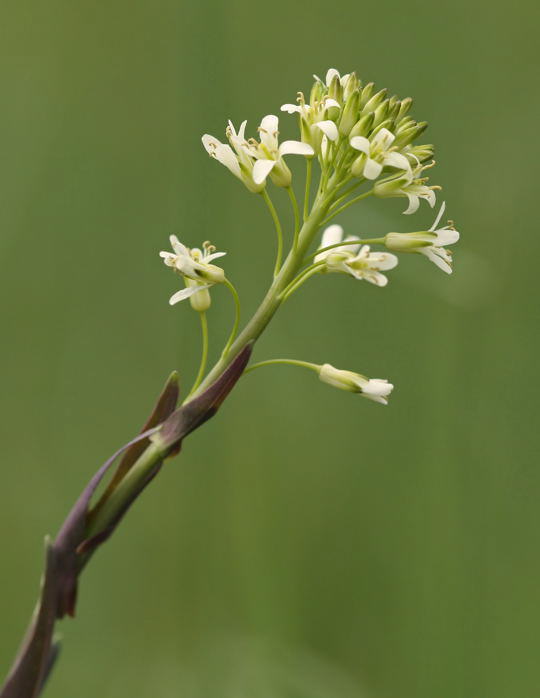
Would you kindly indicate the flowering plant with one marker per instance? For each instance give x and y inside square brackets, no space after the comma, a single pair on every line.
[361,143]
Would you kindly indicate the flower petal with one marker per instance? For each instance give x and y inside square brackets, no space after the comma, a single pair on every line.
[331,73]
[447,236]
[383,261]
[225,155]
[329,129]
[360,143]
[186,293]
[372,169]
[332,235]
[295,148]
[177,246]
[268,131]
[397,160]
[290,108]
[383,138]
[210,143]
[414,203]
[214,255]
[329,102]
[261,170]
[434,255]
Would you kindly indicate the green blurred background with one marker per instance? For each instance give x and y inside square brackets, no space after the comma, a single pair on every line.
[307,543]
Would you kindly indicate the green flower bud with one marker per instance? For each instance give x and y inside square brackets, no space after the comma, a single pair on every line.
[380,113]
[404,108]
[335,90]
[374,102]
[408,135]
[349,114]
[389,124]
[366,94]
[317,92]
[363,126]
[351,87]
[422,152]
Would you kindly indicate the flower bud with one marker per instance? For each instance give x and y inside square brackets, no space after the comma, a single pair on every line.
[380,113]
[367,91]
[408,135]
[374,102]
[404,108]
[335,90]
[352,86]
[422,152]
[317,92]
[349,114]
[390,187]
[363,126]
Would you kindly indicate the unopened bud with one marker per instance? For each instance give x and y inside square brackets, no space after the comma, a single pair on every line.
[374,102]
[351,86]
[335,90]
[363,126]
[367,91]
[349,114]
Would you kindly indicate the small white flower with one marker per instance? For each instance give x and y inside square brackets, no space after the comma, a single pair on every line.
[315,123]
[410,184]
[430,243]
[377,154]
[269,153]
[356,260]
[330,75]
[376,389]
[194,265]
[235,158]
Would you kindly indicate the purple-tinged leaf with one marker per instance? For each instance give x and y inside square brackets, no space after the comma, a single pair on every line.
[165,405]
[36,655]
[190,416]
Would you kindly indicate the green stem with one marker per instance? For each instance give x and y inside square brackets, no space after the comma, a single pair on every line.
[345,206]
[309,167]
[300,279]
[294,202]
[273,300]
[347,193]
[234,330]
[279,231]
[291,362]
[204,355]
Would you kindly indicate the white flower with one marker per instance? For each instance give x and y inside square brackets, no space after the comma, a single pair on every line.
[430,243]
[410,184]
[376,389]
[199,275]
[235,158]
[354,259]
[269,153]
[330,75]
[377,154]
[314,119]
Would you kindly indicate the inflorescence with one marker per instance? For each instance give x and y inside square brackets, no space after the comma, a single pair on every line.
[364,143]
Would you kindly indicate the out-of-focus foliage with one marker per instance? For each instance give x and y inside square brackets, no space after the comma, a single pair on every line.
[306,543]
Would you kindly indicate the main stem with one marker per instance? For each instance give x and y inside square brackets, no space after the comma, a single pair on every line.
[272,300]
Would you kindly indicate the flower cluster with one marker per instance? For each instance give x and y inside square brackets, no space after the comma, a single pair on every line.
[364,142]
